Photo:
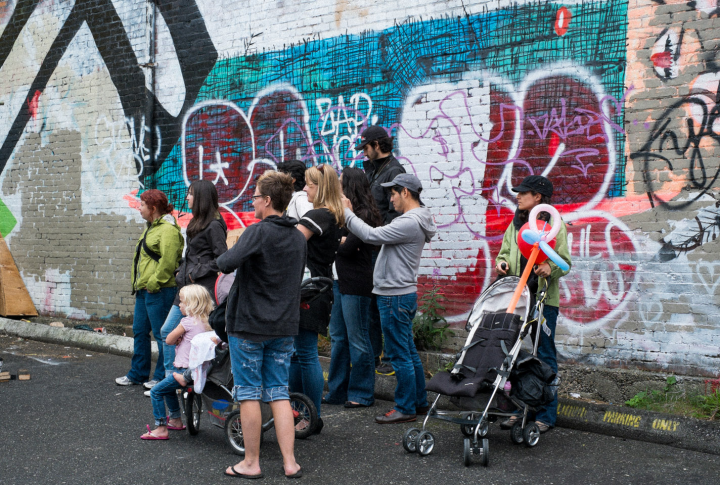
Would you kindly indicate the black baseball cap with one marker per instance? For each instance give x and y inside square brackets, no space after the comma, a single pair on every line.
[371,134]
[535,183]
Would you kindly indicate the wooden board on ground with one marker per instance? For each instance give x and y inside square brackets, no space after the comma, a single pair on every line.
[23,375]
[233,236]
[14,297]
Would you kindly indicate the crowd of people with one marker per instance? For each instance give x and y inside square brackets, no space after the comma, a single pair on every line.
[364,229]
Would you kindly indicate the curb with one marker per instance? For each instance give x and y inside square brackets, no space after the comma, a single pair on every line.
[677,431]
[113,344]
[623,422]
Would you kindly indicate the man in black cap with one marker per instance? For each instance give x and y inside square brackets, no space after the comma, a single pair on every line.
[381,167]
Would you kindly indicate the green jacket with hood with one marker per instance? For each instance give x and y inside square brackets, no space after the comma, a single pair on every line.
[163,237]
[510,253]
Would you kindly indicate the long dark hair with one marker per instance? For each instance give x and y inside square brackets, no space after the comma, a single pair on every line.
[356,187]
[521,217]
[205,207]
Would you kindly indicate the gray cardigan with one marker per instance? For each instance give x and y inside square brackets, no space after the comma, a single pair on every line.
[402,243]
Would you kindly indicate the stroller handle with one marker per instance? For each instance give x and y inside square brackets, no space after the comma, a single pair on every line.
[322,283]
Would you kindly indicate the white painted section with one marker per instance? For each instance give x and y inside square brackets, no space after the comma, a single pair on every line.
[167,73]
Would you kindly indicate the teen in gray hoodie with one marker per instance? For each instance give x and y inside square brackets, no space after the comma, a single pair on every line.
[395,284]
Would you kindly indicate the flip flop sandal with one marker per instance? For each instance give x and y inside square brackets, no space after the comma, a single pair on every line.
[152,436]
[174,428]
[297,474]
[237,474]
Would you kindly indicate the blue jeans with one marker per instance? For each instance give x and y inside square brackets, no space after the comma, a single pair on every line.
[260,369]
[548,354]
[151,309]
[171,323]
[164,394]
[306,375]
[352,366]
[396,316]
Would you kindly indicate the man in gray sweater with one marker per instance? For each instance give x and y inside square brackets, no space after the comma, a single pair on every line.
[395,284]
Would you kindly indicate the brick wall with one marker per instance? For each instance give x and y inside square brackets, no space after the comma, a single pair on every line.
[613,100]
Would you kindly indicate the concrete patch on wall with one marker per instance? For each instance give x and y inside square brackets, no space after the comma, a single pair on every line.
[71,263]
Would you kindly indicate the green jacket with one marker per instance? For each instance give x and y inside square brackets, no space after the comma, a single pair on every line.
[510,253]
[165,239]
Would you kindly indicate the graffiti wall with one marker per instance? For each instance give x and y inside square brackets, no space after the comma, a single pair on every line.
[614,101]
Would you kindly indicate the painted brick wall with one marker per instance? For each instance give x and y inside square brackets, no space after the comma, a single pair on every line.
[613,100]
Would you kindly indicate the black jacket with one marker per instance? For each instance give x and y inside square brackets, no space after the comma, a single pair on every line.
[379,172]
[270,260]
[200,258]
[354,266]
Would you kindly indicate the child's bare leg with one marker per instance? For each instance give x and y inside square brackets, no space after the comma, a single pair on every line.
[180,379]
[285,431]
[251,422]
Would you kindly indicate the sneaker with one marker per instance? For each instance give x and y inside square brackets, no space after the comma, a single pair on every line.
[146,393]
[509,423]
[544,428]
[150,384]
[385,370]
[393,417]
[124,381]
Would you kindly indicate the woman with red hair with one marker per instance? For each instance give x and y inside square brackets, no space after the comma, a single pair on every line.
[157,256]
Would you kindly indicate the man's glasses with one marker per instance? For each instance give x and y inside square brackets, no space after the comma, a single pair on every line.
[255,197]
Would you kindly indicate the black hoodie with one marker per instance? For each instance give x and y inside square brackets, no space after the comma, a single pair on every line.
[264,301]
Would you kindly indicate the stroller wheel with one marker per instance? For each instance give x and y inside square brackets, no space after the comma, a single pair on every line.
[516,432]
[410,440]
[484,428]
[193,412]
[485,452]
[467,452]
[305,414]
[469,429]
[425,442]
[531,435]
[234,433]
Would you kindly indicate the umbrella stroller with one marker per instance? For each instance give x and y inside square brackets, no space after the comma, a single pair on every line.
[490,358]
[216,396]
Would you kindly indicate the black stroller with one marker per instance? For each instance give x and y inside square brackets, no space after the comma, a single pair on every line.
[492,356]
[217,398]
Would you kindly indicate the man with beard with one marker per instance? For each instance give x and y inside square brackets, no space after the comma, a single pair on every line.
[381,167]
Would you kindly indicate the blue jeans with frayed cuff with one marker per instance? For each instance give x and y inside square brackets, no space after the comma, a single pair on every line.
[260,369]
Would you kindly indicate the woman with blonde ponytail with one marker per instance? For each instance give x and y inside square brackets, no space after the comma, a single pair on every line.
[321,228]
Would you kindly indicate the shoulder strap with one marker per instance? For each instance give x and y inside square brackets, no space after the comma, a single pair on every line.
[152,254]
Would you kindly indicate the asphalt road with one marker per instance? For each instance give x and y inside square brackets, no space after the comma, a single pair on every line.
[71,424]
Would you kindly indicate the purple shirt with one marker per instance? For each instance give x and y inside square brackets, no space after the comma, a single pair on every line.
[192,326]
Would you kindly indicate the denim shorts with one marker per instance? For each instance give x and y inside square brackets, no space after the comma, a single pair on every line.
[261,370]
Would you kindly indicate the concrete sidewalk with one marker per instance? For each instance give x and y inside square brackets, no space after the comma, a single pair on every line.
[608,419]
